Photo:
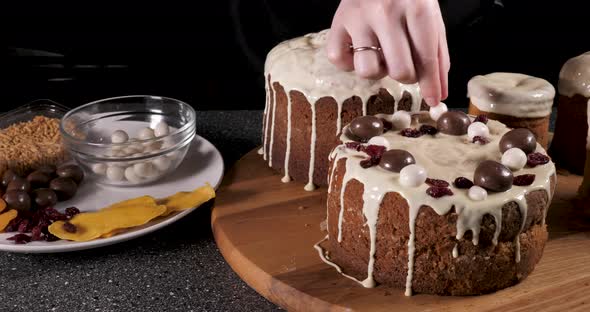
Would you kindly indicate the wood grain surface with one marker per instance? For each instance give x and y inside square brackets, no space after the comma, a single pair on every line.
[266,230]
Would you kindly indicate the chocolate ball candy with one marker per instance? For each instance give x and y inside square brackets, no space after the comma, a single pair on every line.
[18,200]
[8,177]
[65,188]
[493,176]
[453,123]
[44,197]
[366,127]
[520,138]
[19,184]
[395,160]
[71,171]
[38,179]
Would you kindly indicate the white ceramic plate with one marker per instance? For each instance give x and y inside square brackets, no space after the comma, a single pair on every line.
[202,164]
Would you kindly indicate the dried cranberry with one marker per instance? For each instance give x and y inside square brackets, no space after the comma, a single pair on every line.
[353,145]
[374,150]
[54,215]
[23,226]
[386,125]
[438,192]
[70,228]
[411,133]
[36,233]
[428,129]
[483,118]
[437,182]
[535,159]
[20,238]
[463,183]
[13,225]
[481,140]
[51,238]
[524,180]
[72,211]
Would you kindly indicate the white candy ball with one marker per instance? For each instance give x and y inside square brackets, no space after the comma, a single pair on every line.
[477,129]
[119,136]
[412,176]
[161,129]
[115,173]
[146,134]
[131,176]
[514,158]
[379,140]
[162,163]
[401,120]
[168,143]
[436,111]
[145,169]
[477,193]
[100,169]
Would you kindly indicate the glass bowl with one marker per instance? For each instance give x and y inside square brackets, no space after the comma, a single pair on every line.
[129,140]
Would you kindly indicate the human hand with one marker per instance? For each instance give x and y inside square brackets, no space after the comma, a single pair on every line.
[410,33]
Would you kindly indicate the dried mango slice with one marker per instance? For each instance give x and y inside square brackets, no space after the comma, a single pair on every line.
[112,233]
[138,201]
[187,200]
[2,205]
[92,225]
[6,217]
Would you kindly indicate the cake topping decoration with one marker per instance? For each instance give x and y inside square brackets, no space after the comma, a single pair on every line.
[436,111]
[493,176]
[524,180]
[379,140]
[412,176]
[477,193]
[387,125]
[366,127]
[477,129]
[437,182]
[514,158]
[401,120]
[438,192]
[480,140]
[463,183]
[483,118]
[536,159]
[375,152]
[396,159]
[428,129]
[411,133]
[522,138]
[453,123]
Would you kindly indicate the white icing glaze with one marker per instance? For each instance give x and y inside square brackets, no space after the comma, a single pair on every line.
[446,157]
[512,94]
[286,178]
[455,251]
[301,64]
[574,77]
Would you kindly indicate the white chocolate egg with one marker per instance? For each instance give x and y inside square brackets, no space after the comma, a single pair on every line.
[436,111]
[162,163]
[401,120]
[119,136]
[161,129]
[412,176]
[131,176]
[115,173]
[379,140]
[477,129]
[146,134]
[514,158]
[99,168]
[145,169]
[477,193]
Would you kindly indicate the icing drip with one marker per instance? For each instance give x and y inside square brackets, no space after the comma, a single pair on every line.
[260,151]
[286,178]
[455,251]
[310,186]
[445,157]
[267,116]
[339,119]
[574,77]
[585,187]
[272,126]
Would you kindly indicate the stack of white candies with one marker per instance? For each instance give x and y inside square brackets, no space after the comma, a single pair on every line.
[140,171]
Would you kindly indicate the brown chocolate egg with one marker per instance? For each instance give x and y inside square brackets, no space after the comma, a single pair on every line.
[493,176]
[366,127]
[48,169]
[44,197]
[19,184]
[71,171]
[65,188]
[7,177]
[18,200]
[39,179]
[395,160]
[453,123]
[520,138]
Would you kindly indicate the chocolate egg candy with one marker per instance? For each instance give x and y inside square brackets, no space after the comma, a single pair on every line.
[7,177]
[44,197]
[48,169]
[18,200]
[453,123]
[19,184]
[71,171]
[38,179]
[395,160]
[366,127]
[64,188]
[493,176]
[520,138]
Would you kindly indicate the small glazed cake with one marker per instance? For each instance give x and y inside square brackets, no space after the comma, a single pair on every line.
[308,100]
[568,147]
[452,207]
[517,100]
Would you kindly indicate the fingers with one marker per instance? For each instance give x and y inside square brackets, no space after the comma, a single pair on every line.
[368,63]
[444,60]
[338,48]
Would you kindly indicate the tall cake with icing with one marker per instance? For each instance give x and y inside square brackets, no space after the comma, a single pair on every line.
[517,100]
[569,144]
[308,100]
[449,204]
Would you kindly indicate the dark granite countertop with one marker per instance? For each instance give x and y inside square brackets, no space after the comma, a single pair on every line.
[178,268]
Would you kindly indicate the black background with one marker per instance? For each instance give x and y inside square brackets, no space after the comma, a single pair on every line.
[211,53]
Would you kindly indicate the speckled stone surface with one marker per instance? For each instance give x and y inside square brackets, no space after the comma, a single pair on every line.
[178,268]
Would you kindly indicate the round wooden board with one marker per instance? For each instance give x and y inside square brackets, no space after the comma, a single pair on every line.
[266,230]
